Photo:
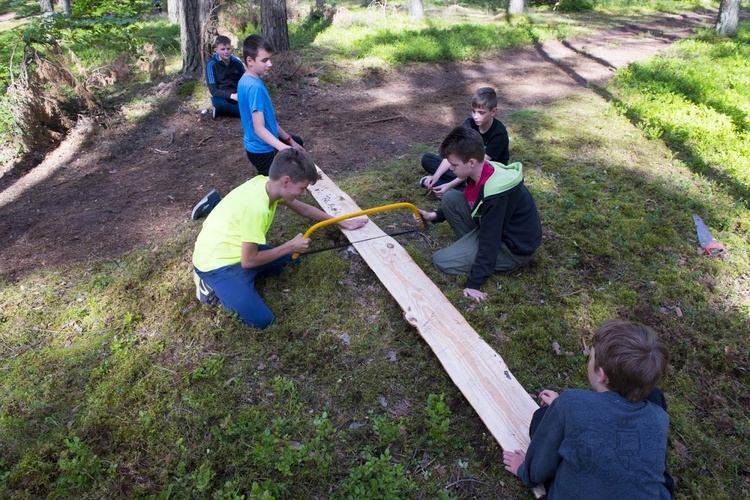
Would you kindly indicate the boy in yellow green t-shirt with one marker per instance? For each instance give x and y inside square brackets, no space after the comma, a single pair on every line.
[231,250]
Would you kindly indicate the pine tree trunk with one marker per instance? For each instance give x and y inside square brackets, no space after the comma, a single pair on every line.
[173,11]
[729,14]
[46,6]
[415,9]
[516,7]
[191,42]
[273,24]
[67,9]
[209,27]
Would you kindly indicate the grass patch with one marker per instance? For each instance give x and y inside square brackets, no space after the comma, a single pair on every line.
[117,383]
[698,100]
[358,38]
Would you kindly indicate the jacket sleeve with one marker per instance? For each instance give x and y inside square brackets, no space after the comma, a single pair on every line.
[212,81]
[543,456]
[491,228]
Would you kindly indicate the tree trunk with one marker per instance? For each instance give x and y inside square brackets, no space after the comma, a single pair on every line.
[173,11]
[729,14]
[320,5]
[209,27]
[516,7]
[67,9]
[46,6]
[273,24]
[415,9]
[191,42]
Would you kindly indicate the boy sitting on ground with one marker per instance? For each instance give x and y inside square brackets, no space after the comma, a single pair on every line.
[264,137]
[612,442]
[223,72]
[494,135]
[231,250]
[495,217]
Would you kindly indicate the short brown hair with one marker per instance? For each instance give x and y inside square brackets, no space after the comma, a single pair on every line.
[632,357]
[486,97]
[222,40]
[252,44]
[294,163]
[463,142]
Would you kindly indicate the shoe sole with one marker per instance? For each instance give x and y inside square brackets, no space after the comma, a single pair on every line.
[197,281]
[200,209]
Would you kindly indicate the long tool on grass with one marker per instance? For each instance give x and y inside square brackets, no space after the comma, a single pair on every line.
[334,220]
[706,239]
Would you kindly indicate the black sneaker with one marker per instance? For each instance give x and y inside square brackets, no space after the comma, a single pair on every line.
[204,293]
[205,206]
[423,181]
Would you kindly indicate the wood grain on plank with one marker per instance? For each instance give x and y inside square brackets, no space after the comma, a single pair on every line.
[477,370]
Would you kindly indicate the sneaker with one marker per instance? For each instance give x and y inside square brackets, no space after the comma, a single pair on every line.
[205,206]
[423,181]
[204,293]
[213,113]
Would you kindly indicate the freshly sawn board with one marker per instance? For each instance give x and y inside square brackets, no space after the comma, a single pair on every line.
[476,369]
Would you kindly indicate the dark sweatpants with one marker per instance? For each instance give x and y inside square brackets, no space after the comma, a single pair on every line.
[262,161]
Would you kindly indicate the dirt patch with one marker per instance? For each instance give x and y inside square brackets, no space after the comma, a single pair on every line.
[108,189]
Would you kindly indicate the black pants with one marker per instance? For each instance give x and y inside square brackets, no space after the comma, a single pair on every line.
[430,164]
[656,397]
[262,161]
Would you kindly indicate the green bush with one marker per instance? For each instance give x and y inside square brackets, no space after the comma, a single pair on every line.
[378,478]
[574,5]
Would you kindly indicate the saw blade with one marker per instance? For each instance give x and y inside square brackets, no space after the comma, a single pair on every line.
[706,239]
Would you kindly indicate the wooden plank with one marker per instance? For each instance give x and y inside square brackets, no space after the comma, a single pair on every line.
[477,370]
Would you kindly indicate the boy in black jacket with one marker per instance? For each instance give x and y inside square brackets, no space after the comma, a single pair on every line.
[495,217]
[223,72]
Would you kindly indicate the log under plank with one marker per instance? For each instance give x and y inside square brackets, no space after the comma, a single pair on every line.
[477,370]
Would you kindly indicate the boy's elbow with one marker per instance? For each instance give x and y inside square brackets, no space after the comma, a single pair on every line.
[246,263]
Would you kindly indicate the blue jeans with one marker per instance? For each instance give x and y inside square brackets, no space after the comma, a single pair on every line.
[225,107]
[235,288]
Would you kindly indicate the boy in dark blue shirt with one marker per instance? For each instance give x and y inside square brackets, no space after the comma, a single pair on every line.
[610,442]
[223,72]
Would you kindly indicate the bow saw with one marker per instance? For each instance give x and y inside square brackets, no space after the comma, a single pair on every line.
[373,210]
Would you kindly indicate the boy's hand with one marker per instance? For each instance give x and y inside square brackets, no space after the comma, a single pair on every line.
[475,294]
[429,181]
[547,396]
[427,216]
[513,460]
[352,224]
[441,190]
[293,144]
[299,244]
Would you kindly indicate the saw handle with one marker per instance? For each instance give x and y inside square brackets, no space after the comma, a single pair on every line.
[334,220]
[714,249]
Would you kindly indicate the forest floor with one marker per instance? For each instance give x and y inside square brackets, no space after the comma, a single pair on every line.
[121,184]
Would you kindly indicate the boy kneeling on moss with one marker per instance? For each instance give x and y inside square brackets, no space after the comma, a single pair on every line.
[610,442]
[231,251]
[495,217]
